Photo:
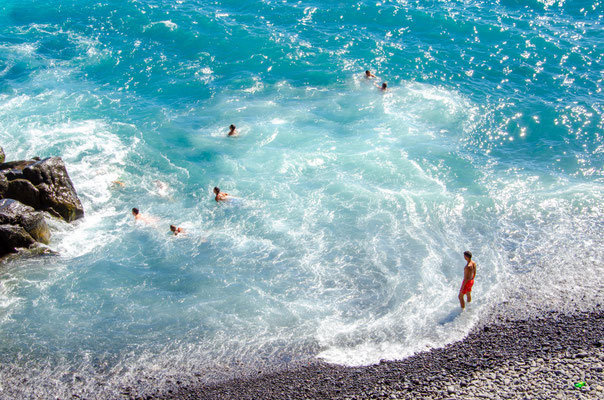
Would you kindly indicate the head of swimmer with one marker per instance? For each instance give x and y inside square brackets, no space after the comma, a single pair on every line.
[384,86]
[467,255]
[216,190]
[173,228]
[135,211]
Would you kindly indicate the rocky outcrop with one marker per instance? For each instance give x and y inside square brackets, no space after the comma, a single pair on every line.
[26,188]
[42,184]
[13,237]
[12,212]
[3,185]
[20,226]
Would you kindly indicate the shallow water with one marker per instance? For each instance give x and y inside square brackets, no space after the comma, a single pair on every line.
[354,206]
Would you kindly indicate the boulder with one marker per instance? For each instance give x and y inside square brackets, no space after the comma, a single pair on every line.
[14,169]
[43,184]
[13,237]
[15,213]
[3,185]
[27,186]
[23,191]
[1,155]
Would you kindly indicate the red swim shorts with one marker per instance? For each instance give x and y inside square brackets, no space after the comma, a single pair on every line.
[468,287]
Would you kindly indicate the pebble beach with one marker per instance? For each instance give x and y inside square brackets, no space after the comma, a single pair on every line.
[535,358]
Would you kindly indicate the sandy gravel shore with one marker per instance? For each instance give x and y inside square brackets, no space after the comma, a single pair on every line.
[535,358]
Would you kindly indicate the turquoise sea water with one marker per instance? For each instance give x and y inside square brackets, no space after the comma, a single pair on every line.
[354,206]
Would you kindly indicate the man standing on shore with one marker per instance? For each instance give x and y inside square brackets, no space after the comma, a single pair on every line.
[469,273]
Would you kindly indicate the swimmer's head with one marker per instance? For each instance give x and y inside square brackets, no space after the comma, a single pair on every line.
[216,190]
[232,127]
[173,228]
[367,73]
[467,254]
[384,86]
[135,211]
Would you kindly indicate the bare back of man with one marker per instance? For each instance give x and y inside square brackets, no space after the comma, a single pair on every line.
[143,218]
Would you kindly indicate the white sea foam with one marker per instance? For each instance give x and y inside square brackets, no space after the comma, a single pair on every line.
[26,49]
[167,23]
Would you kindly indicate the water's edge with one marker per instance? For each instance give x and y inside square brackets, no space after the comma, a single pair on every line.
[502,339]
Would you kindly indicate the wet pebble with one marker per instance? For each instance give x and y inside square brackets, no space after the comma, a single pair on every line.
[539,358]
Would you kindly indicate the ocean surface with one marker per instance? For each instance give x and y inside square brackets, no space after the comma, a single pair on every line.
[352,206]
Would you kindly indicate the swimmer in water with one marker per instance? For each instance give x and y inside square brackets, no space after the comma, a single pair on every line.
[117,184]
[176,230]
[384,87]
[140,217]
[220,196]
[369,75]
[233,130]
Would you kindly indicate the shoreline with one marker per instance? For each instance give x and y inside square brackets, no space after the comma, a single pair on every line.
[540,357]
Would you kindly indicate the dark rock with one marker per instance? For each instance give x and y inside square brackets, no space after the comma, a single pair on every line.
[1,155]
[56,189]
[23,191]
[12,212]
[45,185]
[3,185]
[13,237]
[14,169]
